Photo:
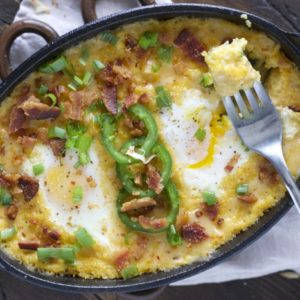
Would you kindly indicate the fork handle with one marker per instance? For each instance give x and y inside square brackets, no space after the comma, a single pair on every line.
[280,165]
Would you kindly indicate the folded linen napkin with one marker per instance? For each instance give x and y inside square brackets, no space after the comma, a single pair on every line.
[277,250]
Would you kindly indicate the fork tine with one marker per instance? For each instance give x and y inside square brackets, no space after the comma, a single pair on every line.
[230,109]
[261,93]
[241,104]
[252,101]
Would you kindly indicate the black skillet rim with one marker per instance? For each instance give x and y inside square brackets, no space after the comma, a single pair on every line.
[147,281]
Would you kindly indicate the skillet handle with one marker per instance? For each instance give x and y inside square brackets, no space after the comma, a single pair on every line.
[14,30]
[88,10]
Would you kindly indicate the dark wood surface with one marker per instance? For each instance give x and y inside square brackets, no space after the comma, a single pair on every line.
[284,13]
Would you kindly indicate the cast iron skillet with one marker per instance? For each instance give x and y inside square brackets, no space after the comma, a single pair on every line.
[147,281]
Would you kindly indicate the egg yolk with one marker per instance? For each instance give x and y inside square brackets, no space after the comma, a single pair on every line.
[217,129]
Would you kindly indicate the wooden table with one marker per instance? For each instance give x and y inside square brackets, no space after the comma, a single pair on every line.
[284,13]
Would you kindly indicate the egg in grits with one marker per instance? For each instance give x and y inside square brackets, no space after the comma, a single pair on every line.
[117,156]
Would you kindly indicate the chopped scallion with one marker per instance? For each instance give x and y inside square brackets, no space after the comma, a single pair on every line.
[57,65]
[129,272]
[200,134]
[148,39]
[85,54]
[5,196]
[1,167]
[38,169]
[163,97]
[78,81]
[206,80]
[7,233]
[87,78]
[43,89]
[98,65]
[84,238]
[52,97]
[109,37]
[77,194]
[209,198]
[84,158]
[155,67]
[242,189]
[57,132]
[72,86]
[61,107]
[165,53]
[83,143]
[67,254]
[173,236]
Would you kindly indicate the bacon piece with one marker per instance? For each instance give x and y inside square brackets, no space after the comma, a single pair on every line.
[74,108]
[7,180]
[11,211]
[121,71]
[35,110]
[294,108]
[232,162]
[138,179]
[122,260]
[193,233]
[152,223]
[17,120]
[249,198]
[29,245]
[139,250]
[130,100]
[109,96]
[267,174]
[53,234]
[211,211]
[25,92]
[188,43]
[154,180]
[165,37]
[29,187]
[58,90]
[144,99]
[130,42]
[58,146]
[138,203]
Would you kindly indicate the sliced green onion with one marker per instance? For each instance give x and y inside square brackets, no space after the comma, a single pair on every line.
[1,167]
[77,165]
[5,196]
[85,54]
[200,134]
[84,142]
[84,238]
[67,254]
[52,97]
[72,86]
[7,233]
[87,78]
[148,39]
[155,67]
[61,107]
[57,65]
[109,37]
[163,97]
[95,106]
[77,194]
[84,158]
[165,53]
[209,198]
[129,272]
[38,169]
[98,65]
[242,189]
[43,89]
[173,236]
[57,132]
[75,129]
[206,80]
[78,81]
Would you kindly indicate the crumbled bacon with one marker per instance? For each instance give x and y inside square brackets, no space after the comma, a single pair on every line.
[58,146]
[29,187]
[294,108]
[17,120]
[130,100]
[120,70]
[267,174]
[189,44]
[136,132]
[232,162]
[58,90]
[122,260]
[154,180]
[35,110]
[11,211]
[211,210]
[193,233]
[115,73]
[139,250]
[27,142]
[144,99]
[74,108]
[130,42]
[24,94]
[165,37]
[29,245]
[249,198]
[54,235]
[137,204]
[152,223]
[7,180]
[109,96]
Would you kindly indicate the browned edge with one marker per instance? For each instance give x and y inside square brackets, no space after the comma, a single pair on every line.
[11,32]
[88,9]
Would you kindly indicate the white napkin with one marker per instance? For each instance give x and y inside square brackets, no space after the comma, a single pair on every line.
[277,250]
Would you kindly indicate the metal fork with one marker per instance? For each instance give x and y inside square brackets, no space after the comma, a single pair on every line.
[259,126]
